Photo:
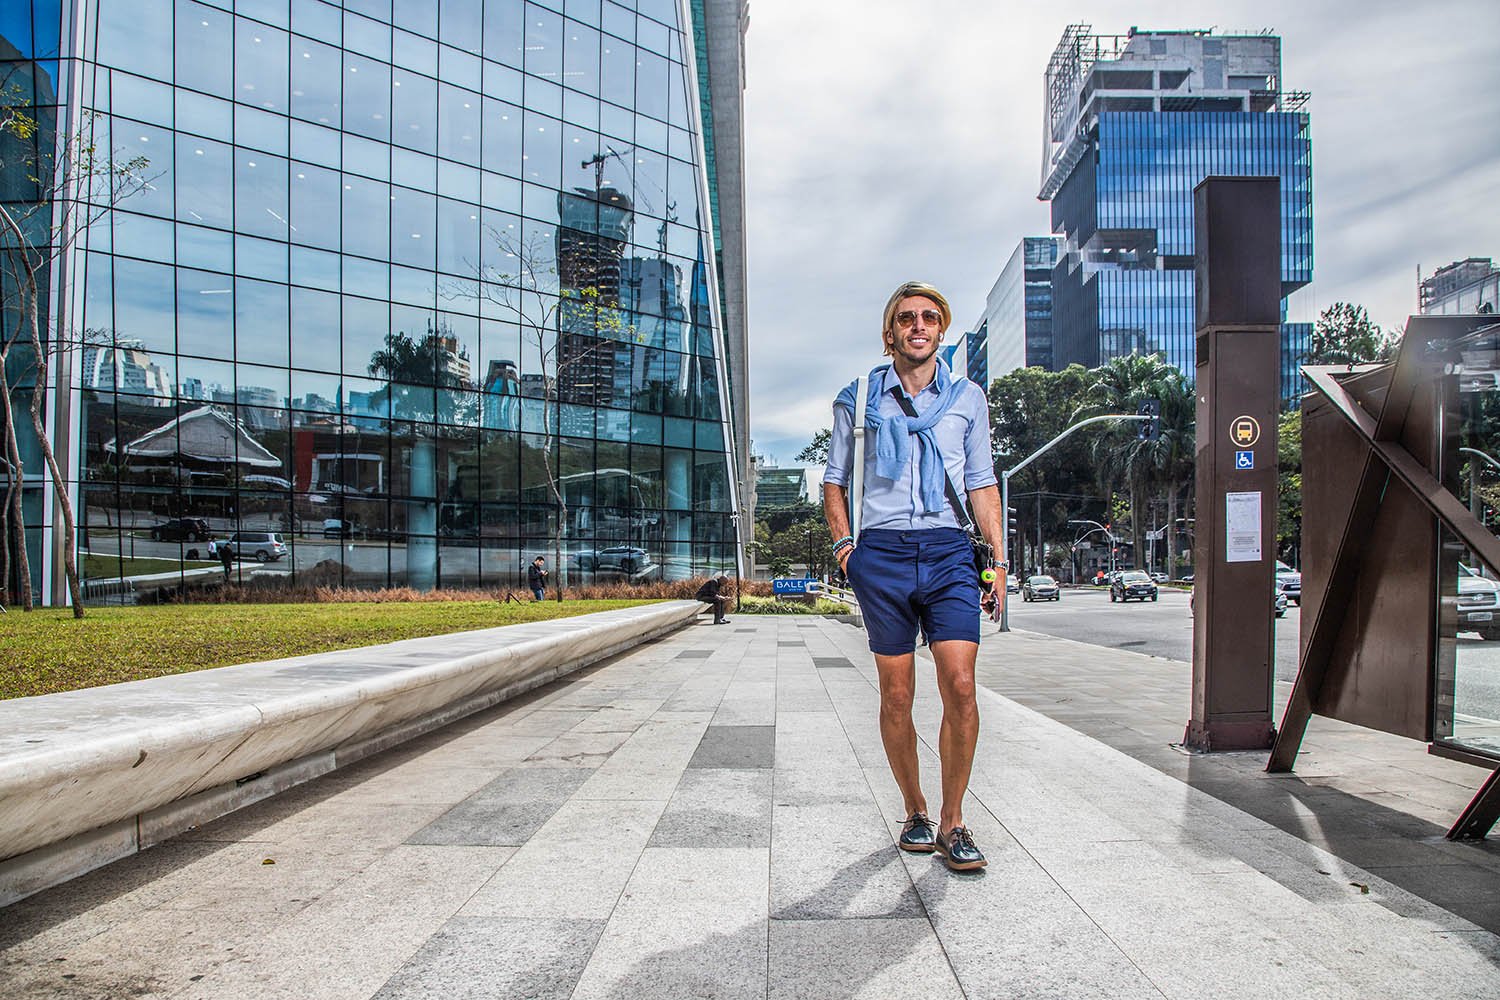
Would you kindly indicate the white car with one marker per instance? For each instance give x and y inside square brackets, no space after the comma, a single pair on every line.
[1478,603]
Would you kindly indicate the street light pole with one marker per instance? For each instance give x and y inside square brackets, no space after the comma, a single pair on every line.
[1005,498]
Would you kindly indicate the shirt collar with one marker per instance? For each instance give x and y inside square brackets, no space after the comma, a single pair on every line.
[940,381]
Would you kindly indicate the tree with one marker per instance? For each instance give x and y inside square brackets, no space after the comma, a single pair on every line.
[1289,486]
[1029,407]
[67,187]
[1121,456]
[816,452]
[568,324]
[1344,335]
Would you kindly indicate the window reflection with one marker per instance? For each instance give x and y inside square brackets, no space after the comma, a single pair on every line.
[328,323]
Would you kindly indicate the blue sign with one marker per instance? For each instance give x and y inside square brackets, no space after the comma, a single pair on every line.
[1244,460]
[785,585]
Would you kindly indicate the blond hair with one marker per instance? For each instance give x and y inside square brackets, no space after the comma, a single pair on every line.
[907,290]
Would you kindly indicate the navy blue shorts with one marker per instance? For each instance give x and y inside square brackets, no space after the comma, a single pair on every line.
[907,578]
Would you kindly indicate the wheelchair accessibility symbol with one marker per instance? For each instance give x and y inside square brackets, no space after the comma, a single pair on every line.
[1244,460]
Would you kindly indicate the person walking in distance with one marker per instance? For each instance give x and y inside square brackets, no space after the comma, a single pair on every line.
[536,578]
[927,437]
[226,557]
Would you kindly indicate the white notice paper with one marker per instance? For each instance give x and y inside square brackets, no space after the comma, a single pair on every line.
[1242,527]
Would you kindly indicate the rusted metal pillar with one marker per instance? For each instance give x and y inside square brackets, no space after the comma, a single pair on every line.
[1237,234]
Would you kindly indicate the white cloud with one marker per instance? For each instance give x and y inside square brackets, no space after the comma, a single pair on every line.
[888,140]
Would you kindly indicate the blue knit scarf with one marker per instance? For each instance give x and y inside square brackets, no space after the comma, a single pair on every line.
[893,437]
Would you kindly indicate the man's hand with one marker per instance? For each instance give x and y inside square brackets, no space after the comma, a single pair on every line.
[844,555]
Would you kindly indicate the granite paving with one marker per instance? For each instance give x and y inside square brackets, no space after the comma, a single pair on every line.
[711,815]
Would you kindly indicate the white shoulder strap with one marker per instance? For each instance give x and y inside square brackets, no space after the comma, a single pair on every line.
[857,476]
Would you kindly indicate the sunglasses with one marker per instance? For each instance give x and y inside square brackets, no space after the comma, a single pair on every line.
[930,317]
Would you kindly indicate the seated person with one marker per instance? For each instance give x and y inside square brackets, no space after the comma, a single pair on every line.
[712,593]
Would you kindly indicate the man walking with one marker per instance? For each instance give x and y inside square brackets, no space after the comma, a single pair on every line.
[536,578]
[913,564]
[226,557]
[712,594]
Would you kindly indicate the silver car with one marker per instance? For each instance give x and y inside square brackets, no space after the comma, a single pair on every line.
[264,546]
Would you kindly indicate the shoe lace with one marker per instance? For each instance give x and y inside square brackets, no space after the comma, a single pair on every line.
[961,837]
[918,819]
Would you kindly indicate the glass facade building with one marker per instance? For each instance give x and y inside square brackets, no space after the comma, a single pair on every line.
[1135,123]
[1018,309]
[413,284]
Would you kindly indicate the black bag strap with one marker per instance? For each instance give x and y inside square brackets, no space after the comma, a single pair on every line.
[964,521]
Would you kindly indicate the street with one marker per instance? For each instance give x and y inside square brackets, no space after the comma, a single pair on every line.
[1165,628]
[1160,628]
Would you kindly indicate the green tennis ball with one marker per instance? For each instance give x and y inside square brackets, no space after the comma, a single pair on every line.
[988,576]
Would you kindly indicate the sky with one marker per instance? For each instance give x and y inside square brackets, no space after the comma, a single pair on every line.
[889,140]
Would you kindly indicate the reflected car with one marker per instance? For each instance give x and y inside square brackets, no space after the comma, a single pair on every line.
[1132,585]
[1289,582]
[262,546]
[334,527]
[1478,603]
[181,529]
[1040,588]
[624,558]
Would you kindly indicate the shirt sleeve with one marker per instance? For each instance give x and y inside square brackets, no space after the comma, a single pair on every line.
[979,460]
[840,448]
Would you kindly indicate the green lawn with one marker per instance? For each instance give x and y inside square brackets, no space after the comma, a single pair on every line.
[47,650]
[96,567]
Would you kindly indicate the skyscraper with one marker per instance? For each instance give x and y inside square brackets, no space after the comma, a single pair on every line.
[356,211]
[1018,311]
[1132,123]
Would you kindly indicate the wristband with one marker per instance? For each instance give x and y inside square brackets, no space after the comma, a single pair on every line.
[840,541]
[842,544]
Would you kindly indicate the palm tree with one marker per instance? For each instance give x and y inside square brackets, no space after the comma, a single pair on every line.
[1121,457]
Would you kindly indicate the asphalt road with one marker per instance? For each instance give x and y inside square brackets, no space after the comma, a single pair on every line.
[1156,628]
[1165,628]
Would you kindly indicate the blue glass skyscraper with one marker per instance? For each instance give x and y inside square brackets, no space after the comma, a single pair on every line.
[1133,123]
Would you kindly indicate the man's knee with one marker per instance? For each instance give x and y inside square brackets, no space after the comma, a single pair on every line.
[896,697]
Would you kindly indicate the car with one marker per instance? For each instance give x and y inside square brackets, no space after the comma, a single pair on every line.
[1478,603]
[1278,602]
[1133,584]
[334,527]
[264,546]
[1040,588]
[1160,577]
[616,559]
[1012,584]
[1289,582]
[181,529]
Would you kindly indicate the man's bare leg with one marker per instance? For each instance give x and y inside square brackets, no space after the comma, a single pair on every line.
[897,731]
[960,729]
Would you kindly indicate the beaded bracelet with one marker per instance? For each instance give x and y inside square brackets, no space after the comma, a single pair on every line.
[841,544]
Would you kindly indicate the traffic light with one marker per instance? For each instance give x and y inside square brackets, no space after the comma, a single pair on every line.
[1010,521]
[1149,430]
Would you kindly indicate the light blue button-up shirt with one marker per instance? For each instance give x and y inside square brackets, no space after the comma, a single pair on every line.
[963,439]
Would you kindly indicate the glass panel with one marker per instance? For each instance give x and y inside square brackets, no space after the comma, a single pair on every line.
[315,81]
[458,124]
[315,330]
[315,206]
[260,322]
[366,217]
[367,93]
[260,194]
[205,179]
[261,66]
[205,314]
[413,102]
